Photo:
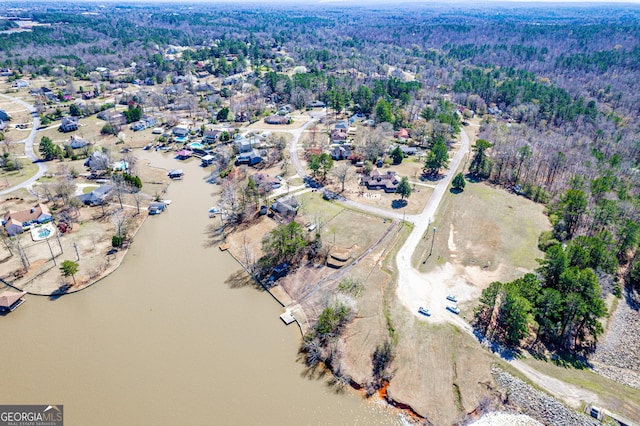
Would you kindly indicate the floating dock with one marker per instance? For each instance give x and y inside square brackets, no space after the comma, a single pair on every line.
[287,318]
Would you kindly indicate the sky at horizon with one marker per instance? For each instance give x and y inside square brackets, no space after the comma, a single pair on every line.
[359,2]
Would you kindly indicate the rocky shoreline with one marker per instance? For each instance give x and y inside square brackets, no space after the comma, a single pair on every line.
[617,356]
[537,404]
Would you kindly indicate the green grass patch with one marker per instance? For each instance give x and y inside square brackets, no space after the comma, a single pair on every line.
[15,177]
[88,189]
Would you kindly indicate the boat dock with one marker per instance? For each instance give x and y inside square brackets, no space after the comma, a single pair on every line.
[10,300]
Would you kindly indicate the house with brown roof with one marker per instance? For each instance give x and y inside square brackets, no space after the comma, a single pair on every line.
[15,222]
[10,300]
[338,136]
[402,134]
[387,181]
[277,119]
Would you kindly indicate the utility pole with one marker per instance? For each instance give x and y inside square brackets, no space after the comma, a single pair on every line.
[23,256]
[59,243]
[75,246]
[51,251]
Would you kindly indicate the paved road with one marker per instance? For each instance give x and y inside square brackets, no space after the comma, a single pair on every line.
[28,147]
[293,146]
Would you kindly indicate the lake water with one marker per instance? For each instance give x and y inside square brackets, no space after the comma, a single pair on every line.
[165,341]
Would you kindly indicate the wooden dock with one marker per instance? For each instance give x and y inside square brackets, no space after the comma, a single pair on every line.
[224,247]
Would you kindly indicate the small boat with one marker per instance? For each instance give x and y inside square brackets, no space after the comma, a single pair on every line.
[424,311]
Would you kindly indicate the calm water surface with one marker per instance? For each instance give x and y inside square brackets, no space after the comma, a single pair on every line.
[165,341]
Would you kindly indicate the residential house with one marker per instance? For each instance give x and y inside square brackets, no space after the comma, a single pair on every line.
[211,136]
[112,117]
[15,222]
[20,84]
[251,158]
[338,136]
[180,131]
[138,126]
[242,145]
[97,196]
[341,152]
[77,143]
[317,104]
[265,183]
[277,119]
[88,96]
[342,125]
[387,181]
[408,150]
[97,161]
[286,207]
[68,124]
[402,134]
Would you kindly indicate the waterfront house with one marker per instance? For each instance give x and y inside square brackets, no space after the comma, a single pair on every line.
[68,124]
[251,158]
[387,181]
[180,131]
[97,196]
[15,222]
[10,300]
[210,136]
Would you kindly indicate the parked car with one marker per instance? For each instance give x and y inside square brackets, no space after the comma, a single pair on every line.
[454,309]
[424,311]
[452,298]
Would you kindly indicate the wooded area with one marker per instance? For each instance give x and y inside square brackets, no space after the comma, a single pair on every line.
[556,91]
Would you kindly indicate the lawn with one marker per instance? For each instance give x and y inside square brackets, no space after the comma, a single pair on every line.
[9,179]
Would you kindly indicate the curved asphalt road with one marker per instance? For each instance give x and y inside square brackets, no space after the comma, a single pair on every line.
[28,147]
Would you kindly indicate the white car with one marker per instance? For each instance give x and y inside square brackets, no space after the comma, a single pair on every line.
[454,309]
[452,298]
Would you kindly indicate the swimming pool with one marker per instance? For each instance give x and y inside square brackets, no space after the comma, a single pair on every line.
[196,145]
[44,232]
[181,139]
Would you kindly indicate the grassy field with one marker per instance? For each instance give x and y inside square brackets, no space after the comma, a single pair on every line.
[9,179]
[485,227]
